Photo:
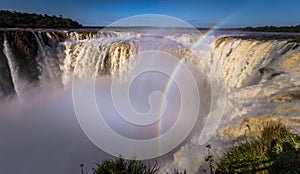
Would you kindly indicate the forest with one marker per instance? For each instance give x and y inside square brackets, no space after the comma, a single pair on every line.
[13,19]
[295,29]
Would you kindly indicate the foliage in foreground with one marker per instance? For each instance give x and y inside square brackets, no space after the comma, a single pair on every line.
[277,150]
[123,166]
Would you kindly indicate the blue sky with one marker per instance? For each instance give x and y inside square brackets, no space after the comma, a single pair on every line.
[237,13]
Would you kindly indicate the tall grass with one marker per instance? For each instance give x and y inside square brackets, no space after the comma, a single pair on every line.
[276,150]
[123,166]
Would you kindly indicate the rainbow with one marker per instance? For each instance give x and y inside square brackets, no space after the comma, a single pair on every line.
[181,62]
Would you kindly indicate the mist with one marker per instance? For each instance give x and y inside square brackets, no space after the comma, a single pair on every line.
[40,134]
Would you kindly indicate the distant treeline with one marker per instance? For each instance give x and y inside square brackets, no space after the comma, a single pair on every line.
[32,20]
[295,28]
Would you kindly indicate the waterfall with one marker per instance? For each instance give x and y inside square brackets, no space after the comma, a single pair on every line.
[85,58]
[48,62]
[19,86]
[89,58]
[239,63]
[260,77]
[234,62]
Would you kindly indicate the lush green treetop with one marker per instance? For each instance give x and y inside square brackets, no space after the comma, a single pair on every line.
[32,20]
[295,28]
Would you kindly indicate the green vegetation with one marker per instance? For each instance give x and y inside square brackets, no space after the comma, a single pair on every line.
[291,29]
[295,28]
[275,151]
[27,20]
[122,166]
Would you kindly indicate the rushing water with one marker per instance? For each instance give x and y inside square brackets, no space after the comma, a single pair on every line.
[40,133]
[18,84]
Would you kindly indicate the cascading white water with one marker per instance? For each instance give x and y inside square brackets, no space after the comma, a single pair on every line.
[82,58]
[17,82]
[86,55]
[256,75]
[87,58]
[238,63]
[48,62]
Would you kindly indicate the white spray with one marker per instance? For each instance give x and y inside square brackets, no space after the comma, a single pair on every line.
[18,84]
[50,74]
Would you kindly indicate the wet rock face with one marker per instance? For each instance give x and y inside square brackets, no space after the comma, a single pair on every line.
[24,49]
[1,38]
[23,42]
[6,85]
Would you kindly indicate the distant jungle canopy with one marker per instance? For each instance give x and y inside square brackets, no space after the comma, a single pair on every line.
[28,20]
[295,28]
[11,19]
